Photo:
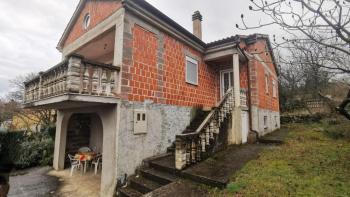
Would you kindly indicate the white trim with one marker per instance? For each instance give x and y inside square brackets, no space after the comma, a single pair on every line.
[221,81]
[86,21]
[196,62]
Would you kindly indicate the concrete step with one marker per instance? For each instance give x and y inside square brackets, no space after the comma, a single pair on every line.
[129,192]
[160,177]
[205,180]
[143,184]
[166,164]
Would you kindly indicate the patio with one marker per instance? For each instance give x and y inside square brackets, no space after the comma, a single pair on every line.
[79,184]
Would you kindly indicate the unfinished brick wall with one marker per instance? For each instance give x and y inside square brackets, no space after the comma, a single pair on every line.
[157,71]
[98,10]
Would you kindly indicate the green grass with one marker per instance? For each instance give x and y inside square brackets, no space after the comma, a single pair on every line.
[311,163]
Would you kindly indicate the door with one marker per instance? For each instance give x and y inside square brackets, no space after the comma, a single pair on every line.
[226,78]
[245,126]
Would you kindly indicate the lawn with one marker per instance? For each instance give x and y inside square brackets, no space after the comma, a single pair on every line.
[314,161]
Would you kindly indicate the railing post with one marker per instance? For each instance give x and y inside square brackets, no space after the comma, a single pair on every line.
[73,74]
[180,154]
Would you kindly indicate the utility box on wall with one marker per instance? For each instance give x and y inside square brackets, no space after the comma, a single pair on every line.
[140,121]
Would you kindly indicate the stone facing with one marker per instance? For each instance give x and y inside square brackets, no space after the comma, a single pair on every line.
[164,123]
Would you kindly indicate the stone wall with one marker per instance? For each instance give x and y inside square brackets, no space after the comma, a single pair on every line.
[164,122]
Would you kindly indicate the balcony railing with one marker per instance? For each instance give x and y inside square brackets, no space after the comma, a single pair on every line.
[74,75]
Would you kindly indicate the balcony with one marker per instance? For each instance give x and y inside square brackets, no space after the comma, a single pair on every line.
[74,79]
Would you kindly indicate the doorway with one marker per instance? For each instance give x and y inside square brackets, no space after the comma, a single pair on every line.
[226,81]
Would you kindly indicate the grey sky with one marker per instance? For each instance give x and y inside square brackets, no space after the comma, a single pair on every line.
[30,29]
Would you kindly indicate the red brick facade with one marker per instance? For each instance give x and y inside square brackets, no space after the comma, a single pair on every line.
[258,71]
[146,79]
[98,10]
[154,66]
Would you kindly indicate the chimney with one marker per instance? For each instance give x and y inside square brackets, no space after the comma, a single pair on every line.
[197,24]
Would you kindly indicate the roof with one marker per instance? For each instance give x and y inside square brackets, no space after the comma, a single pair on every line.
[145,5]
[154,11]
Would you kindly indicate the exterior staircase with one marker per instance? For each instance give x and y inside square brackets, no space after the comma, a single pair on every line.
[196,143]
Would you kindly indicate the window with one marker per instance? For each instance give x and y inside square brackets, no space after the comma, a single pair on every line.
[266,83]
[191,71]
[274,89]
[86,22]
[265,122]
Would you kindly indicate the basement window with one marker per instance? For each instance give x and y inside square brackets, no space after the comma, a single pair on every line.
[191,71]
[86,22]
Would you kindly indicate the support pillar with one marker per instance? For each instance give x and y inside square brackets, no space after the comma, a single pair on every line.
[60,140]
[235,135]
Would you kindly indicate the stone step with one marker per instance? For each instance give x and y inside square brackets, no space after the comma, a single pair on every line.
[171,150]
[129,192]
[143,184]
[205,180]
[166,164]
[160,177]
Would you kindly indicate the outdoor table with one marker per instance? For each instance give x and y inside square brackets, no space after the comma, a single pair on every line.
[85,157]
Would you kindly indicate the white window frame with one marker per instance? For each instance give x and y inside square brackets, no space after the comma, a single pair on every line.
[267,83]
[194,61]
[222,93]
[86,21]
[274,88]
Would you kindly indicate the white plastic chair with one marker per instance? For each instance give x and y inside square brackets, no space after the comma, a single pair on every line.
[97,162]
[75,164]
[84,149]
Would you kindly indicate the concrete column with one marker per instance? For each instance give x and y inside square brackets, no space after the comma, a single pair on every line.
[118,51]
[109,117]
[60,140]
[235,136]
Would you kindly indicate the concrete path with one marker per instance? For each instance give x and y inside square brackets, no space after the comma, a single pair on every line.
[33,182]
[45,182]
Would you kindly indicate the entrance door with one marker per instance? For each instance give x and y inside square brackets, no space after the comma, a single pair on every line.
[226,78]
[245,126]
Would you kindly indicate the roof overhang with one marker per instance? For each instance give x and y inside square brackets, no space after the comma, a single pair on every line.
[226,51]
[70,25]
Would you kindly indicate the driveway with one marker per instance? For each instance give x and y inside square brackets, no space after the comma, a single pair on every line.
[33,182]
[44,181]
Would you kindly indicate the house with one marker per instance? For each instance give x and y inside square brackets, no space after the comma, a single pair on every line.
[133,82]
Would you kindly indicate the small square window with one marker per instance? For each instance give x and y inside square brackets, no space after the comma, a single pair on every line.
[191,71]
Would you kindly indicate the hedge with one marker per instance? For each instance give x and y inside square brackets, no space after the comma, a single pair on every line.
[26,150]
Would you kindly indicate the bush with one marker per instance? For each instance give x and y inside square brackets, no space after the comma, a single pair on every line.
[338,131]
[27,150]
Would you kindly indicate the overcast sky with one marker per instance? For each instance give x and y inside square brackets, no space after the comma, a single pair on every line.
[30,29]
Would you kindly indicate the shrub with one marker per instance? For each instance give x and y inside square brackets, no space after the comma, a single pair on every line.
[27,150]
[338,131]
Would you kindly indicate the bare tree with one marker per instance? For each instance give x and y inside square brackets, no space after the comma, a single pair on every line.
[324,24]
[38,117]
[317,34]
